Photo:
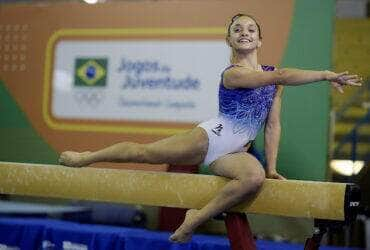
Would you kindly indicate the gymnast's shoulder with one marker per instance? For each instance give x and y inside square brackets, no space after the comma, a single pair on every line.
[239,76]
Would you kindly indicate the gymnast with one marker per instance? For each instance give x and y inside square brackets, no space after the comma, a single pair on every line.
[249,97]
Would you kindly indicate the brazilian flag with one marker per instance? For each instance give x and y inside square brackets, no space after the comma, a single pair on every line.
[90,72]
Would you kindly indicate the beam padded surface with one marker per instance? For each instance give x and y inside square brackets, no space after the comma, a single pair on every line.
[309,199]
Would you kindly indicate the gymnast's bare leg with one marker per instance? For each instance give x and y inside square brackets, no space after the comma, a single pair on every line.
[187,149]
[247,177]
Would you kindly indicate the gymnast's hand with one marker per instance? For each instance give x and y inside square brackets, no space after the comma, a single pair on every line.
[274,175]
[338,80]
[74,159]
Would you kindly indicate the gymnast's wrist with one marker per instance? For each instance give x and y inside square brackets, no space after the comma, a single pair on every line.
[326,75]
[270,169]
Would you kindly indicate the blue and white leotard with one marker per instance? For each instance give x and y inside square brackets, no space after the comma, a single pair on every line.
[242,113]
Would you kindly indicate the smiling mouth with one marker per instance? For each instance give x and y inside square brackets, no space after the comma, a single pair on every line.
[244,41]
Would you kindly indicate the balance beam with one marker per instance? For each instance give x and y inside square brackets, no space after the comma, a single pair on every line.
[308,199]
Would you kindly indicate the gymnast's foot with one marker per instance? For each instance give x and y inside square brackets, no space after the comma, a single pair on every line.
[184,232]
[74,159]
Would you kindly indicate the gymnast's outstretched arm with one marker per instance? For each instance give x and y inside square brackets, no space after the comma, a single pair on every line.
[243,77]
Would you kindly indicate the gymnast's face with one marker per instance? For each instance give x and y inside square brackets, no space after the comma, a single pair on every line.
[244,34]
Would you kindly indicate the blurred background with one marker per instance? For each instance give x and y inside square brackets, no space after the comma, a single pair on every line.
[82,75]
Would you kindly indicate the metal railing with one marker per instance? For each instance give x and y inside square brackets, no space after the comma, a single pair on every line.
[352,137]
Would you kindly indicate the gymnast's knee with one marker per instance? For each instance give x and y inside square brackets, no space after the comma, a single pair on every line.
[252,182]
[136,152]
[148,153]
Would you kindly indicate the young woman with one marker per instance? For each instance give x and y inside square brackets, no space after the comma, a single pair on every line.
[249,96]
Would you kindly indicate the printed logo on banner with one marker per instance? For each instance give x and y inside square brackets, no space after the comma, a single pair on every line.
[90,72]
[91,75]
[98,82]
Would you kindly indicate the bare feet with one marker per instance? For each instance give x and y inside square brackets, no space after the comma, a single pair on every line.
[184,232]
[74,159]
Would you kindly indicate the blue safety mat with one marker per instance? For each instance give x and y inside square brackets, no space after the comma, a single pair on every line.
[48,234]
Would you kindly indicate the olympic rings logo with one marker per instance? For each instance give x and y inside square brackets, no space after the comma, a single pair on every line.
[90,98]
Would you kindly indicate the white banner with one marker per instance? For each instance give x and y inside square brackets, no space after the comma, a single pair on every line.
[149,80]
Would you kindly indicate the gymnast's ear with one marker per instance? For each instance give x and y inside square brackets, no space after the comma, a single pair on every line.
[227,41]
[259,43]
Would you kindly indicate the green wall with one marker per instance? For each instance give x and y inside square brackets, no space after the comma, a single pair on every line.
[303,152]
[18,140]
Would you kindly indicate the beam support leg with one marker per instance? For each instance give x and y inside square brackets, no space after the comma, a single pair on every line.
[239,232]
